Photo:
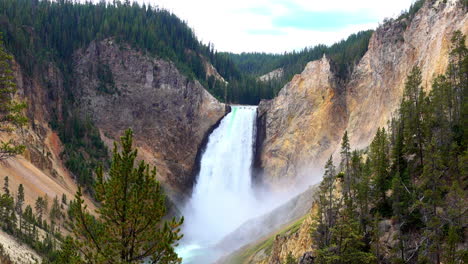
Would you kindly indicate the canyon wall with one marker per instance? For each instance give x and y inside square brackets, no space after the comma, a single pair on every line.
[169,113]
[171,116]
[303,125]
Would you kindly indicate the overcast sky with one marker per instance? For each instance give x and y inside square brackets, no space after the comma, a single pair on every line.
[279,25]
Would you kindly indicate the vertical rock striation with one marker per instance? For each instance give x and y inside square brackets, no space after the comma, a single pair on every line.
[304,124]
[169,113]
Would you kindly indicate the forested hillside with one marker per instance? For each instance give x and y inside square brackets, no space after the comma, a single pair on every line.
[40,31]
[410,184]
[344,54]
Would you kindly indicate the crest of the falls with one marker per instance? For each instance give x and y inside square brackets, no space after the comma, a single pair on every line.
[223,197]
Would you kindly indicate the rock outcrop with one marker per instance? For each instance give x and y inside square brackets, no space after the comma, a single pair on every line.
[304,124]
[273,75]
[117,87]
[169,113]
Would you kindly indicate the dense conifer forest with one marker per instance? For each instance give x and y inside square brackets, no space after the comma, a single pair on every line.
[39,32]
[344,56]
[412,178]
[414,174]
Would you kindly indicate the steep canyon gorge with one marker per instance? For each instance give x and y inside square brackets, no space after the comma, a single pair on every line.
[304,124]
[173,115]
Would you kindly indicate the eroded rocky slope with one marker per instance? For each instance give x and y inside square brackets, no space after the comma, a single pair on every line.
[303,125]
[169,113]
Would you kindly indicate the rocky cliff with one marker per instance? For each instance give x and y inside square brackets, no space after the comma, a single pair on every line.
[303,125]
[169,113]
[117,87]
[302,122]
[273,75]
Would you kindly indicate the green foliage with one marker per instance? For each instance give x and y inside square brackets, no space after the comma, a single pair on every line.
[414,8]
[413,175]
[25,225]
[379,163]
[290,259]
[41,207]
[61,27]
[130,227]
[345,164]
[83,147]
[68,253]
[11,115]
[106,80]
[344,55]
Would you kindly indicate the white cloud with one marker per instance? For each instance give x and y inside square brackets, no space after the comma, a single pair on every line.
[234,25]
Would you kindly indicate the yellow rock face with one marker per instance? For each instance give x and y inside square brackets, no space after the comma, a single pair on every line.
[302,121]
[304,124]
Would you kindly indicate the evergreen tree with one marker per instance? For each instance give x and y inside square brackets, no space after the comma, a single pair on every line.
[10,111]
[64,198]
[345,164]
[412,109]
[361,189]
[7,213]
[19,203]
[379,159]
[130,226]
[347,244]
[327,206]
[68,253]
[6,186]
[55,212]
[41,208]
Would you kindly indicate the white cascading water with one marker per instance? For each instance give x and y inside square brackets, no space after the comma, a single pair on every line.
[223,197]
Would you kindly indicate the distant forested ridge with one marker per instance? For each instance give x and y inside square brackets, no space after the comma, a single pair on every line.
[40,31]
[344,55]
[36,32]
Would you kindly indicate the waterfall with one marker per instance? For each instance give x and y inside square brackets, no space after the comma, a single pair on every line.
[223,197]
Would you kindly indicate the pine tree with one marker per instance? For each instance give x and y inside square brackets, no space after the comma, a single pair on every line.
[130,226]
[380,162]
[40,207]
[327,206]
[361,190]
[347,243]
[55,212]
[10,111]
[412,110]
[6,185]
[345,164]
[19,203]
[7,213]
[64,198]
[68,253]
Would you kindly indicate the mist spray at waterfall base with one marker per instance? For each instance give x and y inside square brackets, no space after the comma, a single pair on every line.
[223,197]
